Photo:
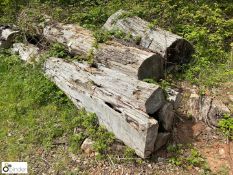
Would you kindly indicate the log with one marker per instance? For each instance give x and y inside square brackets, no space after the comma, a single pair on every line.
[6,36]
[116,88]
[173,48]
[130,60]
[119,101]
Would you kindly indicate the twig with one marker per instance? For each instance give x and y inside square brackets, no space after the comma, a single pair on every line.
[128,158]
[112,162]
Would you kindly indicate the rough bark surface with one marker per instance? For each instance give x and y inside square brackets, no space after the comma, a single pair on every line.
[172,47]
[205,108]
[119,101]
[6,36]
[130,60]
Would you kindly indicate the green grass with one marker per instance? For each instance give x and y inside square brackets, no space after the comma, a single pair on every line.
[206,24]
[186,156]
[34,114]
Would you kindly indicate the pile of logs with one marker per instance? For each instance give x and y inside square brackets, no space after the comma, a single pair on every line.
[129,60]
[135,111]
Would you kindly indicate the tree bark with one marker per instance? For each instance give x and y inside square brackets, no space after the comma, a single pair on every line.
[172,47]
[130,60]
[119,101]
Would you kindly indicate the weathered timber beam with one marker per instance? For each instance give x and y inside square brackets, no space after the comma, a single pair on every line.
[117,99]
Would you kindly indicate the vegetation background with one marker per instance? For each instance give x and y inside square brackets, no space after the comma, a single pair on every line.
[207,24]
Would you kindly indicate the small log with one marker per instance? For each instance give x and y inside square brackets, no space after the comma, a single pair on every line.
[172,47]
[6,36]
[119,101]
[130,60]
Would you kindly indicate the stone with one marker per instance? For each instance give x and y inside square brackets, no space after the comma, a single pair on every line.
[204,104]
[118,147]
[166,116]
[27,52]
[87,146]
[221,152]
[161,159]
[216,111]
[192,105]
[198,106]
[161,140]
[206,108]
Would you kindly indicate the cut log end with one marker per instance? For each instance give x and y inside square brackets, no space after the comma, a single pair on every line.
[151,68]
[158,97]
[179,52]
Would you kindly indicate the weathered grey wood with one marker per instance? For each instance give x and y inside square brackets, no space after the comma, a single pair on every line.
[117,99]
[27,52]
[6,36]
[116,88]
[172,47]
[130,60]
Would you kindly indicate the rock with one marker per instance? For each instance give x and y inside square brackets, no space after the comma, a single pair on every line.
[216,111]
[118,147]
[174,97]
[161,159]
[206,108]
[161,140]
[192,105]
[221,152]
[198,106]
[87,146]
[28,53]
[166,116]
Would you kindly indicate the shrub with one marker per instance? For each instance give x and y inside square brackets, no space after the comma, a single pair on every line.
[226,126]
